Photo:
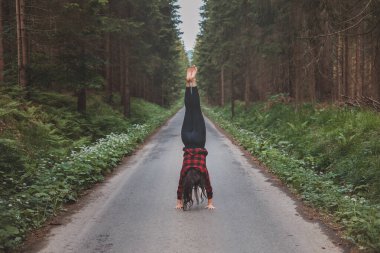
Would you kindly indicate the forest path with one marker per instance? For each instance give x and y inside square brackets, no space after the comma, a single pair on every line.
[134,210]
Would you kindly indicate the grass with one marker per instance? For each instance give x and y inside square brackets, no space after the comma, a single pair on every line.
[330,156]
[50,153]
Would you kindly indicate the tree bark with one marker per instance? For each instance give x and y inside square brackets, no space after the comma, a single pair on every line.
[297,54]
[1,44]
[126,90]
[294,49]
[360,66]
[339,70]
[346,66]
[222,86]
[21,43]
[247,87]
[124,77]
[109,88]
[377,68]
[144,96]
[18,32]
[121,70]
[82,93]
[232,95]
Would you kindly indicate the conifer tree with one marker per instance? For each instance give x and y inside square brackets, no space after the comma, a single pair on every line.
[129,47]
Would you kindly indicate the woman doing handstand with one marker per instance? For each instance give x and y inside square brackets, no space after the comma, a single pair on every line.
[194,174]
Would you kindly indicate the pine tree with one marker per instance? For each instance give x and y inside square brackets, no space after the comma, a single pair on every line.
[310,50]
[128,47]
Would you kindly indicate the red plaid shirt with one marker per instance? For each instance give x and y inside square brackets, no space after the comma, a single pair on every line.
[194,158]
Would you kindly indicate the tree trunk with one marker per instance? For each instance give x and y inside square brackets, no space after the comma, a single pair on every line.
[124,72]
[377,68]
[121,70]
[145,97]
[109,95]
[19,63]
[126,94]
[339,70]
[21,43]
[222,86]
[232,96]
[346,66]
[82,96]
[359,66]
[297,54]
[1,44]
[247,87]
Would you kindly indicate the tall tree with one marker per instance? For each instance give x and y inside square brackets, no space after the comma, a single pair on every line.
[21,43]
[310,50]
[1,43]
[129,47]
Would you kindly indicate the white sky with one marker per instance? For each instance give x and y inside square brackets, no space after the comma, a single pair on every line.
[190,16]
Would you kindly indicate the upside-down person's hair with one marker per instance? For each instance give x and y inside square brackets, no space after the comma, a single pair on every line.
[194,181]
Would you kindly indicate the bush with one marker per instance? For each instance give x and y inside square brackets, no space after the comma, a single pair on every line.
[61,182]
[47,158]
[330,156]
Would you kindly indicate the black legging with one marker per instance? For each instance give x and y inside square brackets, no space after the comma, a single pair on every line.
[193,131]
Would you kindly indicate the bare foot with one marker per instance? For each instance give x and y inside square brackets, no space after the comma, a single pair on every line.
[193,73]
[210,205]
[188,76]
[179,204]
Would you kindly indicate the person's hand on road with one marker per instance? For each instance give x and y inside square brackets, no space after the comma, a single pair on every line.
[179,204]
[210,205]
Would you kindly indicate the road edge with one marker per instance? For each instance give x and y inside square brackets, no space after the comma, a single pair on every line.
[35,239]
[308,213]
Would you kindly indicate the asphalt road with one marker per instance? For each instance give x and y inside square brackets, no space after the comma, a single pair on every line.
[134,210]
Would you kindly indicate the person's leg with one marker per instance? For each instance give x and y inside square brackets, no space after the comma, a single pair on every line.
[188,98]
[190,75]
[198,122]
[187,125]
[193,132]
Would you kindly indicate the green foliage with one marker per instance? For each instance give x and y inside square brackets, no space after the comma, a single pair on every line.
[221,46]
[329,156]
[72,43]
[39,127]
[61,182]
[157,49]
[50,153]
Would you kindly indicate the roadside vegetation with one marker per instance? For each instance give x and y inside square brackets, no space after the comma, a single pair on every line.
[316,52]
[50,152]
[329,156]
[82,83]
